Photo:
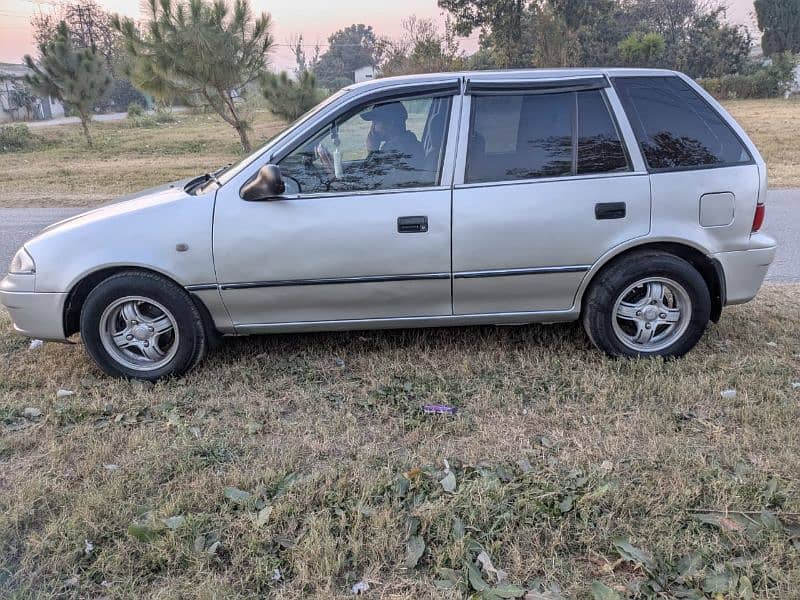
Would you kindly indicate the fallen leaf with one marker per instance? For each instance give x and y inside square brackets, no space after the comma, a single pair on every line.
[143,532]
[633,554]
[449,482]
[174,522]
[236,495]
[475,579]
[415,547]
[263,516]
[485,561]
[601,591]
[506,590]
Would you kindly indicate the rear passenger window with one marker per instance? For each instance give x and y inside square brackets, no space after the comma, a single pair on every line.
[528,136]
[599,147]
[675,127]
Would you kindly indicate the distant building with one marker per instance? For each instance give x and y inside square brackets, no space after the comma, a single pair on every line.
[365,74]
[18,102]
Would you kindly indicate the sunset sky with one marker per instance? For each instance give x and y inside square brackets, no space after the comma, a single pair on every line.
[315,19]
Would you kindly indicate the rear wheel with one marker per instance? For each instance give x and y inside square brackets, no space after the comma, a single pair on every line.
[141,325]
[647,304]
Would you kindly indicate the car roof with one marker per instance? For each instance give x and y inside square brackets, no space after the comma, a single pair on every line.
[507,75]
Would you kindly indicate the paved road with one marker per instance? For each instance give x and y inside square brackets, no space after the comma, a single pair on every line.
[118,116]
[783,223]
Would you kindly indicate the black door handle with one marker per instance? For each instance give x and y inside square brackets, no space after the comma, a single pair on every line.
[609,210]
[412,224]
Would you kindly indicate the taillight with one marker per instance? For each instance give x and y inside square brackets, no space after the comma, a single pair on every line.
[758,218]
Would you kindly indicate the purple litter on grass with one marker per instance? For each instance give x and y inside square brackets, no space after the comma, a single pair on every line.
[438,409]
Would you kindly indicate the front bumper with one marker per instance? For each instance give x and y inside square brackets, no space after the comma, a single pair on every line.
[745,269]
[36,315]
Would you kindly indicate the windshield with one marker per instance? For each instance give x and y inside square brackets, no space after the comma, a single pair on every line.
[232,171]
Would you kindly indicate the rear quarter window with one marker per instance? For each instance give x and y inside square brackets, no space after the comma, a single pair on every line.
[675,127]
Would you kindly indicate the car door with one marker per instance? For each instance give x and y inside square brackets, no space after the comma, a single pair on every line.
[545,188]
[360,234]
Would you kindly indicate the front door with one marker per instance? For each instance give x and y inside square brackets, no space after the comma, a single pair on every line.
[548,188]
[363,231]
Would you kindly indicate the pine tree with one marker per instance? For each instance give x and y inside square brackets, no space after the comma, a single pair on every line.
[76,77]
[290,99]
[199,50]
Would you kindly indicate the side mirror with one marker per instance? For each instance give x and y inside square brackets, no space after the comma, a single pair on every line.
[268,183]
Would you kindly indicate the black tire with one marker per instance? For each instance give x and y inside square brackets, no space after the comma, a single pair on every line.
[600,301]
[191,339]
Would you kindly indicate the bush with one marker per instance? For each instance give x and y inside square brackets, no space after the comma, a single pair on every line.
[135,109]
[146,121]
[770,81]
[15,137]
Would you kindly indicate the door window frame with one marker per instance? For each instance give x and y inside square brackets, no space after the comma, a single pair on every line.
[556,86]
[448,88]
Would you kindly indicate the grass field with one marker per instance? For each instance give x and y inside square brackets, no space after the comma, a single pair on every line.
[61,171]
[298,466]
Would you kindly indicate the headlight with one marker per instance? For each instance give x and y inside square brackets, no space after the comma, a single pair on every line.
[22,263]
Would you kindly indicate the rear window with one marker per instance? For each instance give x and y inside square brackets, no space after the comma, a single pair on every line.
[529,136]
[675,127]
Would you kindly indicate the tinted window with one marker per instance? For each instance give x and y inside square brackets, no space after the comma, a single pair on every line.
[528,136]
[389,145]
[599,147]
[675,127]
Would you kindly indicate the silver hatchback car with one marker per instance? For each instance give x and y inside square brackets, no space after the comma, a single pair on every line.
[626,198]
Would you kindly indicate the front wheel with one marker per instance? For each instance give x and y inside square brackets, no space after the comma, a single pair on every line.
[647,304]
[142,326]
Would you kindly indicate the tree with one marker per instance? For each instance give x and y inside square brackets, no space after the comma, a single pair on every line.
[500,23]
[348,49]
[696,38]
[89,27]
[421,48]
[290,99]
[642,49]
[199,50]
[75,76]
[779,21]
[302,62]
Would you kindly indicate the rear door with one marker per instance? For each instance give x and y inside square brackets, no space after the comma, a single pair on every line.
[546,186]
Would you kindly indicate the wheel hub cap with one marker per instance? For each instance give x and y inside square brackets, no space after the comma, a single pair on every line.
[651,314]
[139,333]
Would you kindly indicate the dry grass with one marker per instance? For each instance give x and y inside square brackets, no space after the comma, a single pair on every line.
[63,172]
[323,427]
[774,126]
[125,159]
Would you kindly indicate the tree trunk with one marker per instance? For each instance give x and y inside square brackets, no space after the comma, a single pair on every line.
[242,131]
[237,124]
[85,124]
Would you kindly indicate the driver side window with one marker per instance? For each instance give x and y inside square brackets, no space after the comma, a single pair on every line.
[382,146]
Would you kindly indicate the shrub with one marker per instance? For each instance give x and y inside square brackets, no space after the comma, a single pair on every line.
[149,120]
[770,81]
[135,109]
[15,137]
